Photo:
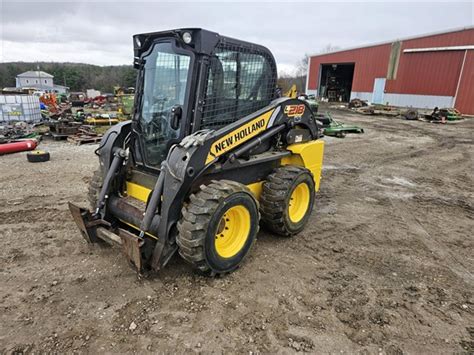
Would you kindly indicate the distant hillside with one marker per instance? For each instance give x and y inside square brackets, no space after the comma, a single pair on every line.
[80,77]
[77,76]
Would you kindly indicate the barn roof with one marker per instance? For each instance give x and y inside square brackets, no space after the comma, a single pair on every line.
[35,74]
[395,40]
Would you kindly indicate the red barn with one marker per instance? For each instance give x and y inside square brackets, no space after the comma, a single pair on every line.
[424,72]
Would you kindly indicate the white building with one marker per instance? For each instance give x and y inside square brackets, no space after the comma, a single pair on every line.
[40,80]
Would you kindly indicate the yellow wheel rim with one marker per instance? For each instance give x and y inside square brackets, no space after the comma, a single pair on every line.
[232,231]
[299,202]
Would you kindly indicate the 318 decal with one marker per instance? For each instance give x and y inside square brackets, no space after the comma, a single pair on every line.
[294,110]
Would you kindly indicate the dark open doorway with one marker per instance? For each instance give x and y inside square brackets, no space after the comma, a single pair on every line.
[336,81]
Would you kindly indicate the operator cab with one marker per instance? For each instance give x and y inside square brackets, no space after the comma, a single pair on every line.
[193,79]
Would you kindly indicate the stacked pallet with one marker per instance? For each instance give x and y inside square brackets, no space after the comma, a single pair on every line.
[85,135]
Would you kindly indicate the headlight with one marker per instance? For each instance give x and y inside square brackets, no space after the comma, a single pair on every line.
[187,38]
[138,42]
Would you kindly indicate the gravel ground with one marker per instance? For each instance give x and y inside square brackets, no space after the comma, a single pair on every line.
[385,264]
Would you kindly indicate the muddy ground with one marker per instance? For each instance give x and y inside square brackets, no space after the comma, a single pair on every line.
[385,264]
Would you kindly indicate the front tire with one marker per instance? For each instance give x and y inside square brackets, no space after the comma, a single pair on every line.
[287,200]
[218,227]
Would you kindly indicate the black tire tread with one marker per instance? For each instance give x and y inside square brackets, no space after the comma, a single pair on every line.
[196,216]
[37,157]
[272,201]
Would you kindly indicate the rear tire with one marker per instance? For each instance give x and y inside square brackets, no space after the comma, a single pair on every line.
[218,227]
[94,188]
[287,200]
[411,114]
[37,156]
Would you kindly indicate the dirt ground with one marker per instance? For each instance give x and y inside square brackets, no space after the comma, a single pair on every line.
[385,265]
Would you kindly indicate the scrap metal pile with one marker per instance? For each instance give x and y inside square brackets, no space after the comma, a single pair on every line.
[437,115]
[18,137]
[73,124]
[74,118]
[19,130]
[85,134]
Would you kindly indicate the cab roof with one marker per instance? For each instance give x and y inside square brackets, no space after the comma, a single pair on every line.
[203,41]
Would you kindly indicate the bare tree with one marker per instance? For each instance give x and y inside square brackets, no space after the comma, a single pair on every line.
[328,48]
[302,68]
[286,80]
[301,73]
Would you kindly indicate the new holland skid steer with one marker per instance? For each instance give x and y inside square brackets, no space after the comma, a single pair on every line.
[210,153]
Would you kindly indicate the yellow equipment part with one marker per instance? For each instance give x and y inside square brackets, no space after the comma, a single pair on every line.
[308,155]
[101,121]
[138,229]
[137,191]
[299,202]
[292,93]
[141,193]
[256,189]
[232,231]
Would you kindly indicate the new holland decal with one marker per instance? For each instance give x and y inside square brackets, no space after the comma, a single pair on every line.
[294,110]
[239,136]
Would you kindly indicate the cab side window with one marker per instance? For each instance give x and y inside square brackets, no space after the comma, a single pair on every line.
[239,82]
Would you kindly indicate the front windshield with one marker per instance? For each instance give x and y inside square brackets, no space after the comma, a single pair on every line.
[164,87]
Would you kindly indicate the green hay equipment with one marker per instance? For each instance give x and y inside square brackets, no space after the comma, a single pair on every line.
[335,128]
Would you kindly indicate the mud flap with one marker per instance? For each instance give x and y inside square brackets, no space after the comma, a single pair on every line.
[86,223]
[131,247]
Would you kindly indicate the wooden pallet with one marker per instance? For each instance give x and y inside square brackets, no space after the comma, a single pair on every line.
[55,136]
[83,139]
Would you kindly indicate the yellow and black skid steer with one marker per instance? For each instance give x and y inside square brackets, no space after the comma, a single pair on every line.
[209,155]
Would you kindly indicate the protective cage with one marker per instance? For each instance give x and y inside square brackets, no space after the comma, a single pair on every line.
[240,80]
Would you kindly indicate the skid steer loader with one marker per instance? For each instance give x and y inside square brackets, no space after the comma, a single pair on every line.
[210,153]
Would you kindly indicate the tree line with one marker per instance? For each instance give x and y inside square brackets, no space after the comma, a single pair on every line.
[76,76]
[79,77]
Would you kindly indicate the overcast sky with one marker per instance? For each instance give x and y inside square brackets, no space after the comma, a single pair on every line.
[100,32]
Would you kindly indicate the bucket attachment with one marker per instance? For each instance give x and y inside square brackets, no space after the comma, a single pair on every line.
[87,223]
[96,230]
